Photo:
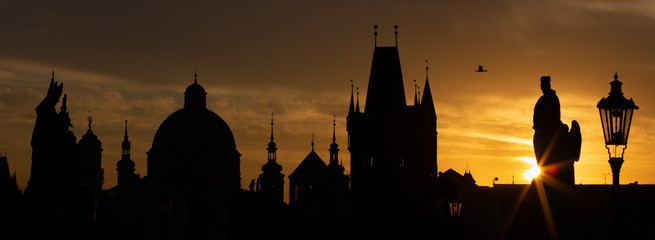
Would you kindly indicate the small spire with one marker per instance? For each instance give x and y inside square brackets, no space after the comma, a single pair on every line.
[395,32]
[312,142]
[271,126]
[616,76]
[334,127]
[375,34]
[357,107]
[53,75]
[195,77]
[125,137]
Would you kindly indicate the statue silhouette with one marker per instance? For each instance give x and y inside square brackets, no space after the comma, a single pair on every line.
[555,147]
[57,202]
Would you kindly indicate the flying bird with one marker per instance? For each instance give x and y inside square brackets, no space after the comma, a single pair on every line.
[480,69]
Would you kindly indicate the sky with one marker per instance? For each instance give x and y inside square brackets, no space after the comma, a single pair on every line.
[133,59]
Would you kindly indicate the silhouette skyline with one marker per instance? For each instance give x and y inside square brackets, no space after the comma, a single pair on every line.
[477,112]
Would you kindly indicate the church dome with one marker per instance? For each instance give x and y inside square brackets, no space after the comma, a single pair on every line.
[193,129]
[195,146]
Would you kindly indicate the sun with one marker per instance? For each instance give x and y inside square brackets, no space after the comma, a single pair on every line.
[534,169]
[531,173]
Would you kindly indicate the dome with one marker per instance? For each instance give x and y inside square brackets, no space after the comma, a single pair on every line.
[193,129]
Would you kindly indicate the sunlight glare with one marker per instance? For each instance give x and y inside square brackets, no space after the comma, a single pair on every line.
[534,169]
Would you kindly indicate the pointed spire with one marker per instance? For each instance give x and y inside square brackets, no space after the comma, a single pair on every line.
[125,136]
[53,76]
[426,102]
[334,127]
[375,35]
[271,126]
[357,107]
[334,147]
[395,32]
[195,77]
[126,145]
[351,108]
[272,147]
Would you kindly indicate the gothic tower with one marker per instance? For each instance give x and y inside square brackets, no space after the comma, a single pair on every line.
[271,182]
[91,154]
[392,145]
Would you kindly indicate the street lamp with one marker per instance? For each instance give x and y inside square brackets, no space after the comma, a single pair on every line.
[616,116]
[455,209]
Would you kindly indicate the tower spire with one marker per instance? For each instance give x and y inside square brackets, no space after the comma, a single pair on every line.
[272,148]
[334,147]
[195,76]
[125,146]
[334,127]
[271,126]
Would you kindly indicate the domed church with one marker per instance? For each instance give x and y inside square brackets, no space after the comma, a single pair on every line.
[195,148]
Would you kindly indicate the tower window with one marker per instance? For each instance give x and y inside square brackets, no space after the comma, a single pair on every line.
[401,163]
[370,162]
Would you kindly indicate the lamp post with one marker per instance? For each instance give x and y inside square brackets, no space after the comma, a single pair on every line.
[455,209]
[616,117]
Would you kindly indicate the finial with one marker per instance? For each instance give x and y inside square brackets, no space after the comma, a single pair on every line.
[312,142]
[395,32]
[53,75]
[334,128]
[195,77]
[426,69]
[352,85]
[89,119]
[271,126]
[375,34]
[616,76]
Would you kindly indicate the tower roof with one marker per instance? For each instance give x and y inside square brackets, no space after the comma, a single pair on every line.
[311,166]
[385,86]
[427,103]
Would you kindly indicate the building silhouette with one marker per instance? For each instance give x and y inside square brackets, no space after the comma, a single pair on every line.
[393,147]
[394,190]
[92,174]
[271,181]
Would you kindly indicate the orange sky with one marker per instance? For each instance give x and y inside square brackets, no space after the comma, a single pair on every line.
[296,58]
